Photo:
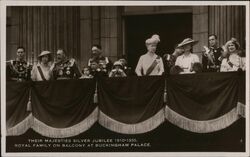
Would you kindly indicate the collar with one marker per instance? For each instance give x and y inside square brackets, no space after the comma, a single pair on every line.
[185,56]
[62,62]
[18,60]
[44,65]
[214,47]
[151,55]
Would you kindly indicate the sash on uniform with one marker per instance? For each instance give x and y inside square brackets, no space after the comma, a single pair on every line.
[41,73]
[152,67]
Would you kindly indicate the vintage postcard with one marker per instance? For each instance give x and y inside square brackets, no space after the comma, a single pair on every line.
[115,78]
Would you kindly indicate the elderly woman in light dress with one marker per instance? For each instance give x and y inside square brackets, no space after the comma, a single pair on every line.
[150,63]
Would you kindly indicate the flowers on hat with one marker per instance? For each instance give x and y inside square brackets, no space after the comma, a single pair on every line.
[155,39]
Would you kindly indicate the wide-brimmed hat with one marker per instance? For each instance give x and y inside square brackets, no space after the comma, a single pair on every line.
[187,41]
[44,53]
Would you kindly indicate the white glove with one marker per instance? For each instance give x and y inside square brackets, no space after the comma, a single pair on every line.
[224,48]
[206,50]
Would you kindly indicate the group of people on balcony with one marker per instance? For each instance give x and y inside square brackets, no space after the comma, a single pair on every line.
[182,61]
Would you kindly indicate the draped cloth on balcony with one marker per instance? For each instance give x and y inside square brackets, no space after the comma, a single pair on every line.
[18,119]
[131,105]
[205,103]
[198,103]
[59,108]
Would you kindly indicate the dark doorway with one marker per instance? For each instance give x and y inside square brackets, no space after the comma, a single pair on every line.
[172,28]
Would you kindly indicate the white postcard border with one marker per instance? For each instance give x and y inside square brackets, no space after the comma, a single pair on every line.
[6,3]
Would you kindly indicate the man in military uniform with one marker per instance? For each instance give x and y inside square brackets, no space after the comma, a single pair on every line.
[104,63]
[65,68]
[211,57]
[18,69]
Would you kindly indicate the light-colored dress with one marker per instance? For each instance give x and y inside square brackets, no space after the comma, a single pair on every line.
[146,61]
[46,70]
[185,62]
[232,63]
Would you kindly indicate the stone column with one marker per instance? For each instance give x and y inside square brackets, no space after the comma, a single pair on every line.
[200,28]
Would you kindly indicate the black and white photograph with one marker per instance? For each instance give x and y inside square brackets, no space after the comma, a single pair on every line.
[162,79]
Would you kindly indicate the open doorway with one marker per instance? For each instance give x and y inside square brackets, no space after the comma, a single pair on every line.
[172,28]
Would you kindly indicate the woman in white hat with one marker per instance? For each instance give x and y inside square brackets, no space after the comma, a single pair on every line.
[42,70]
[231,60]
[187,59]
[150,63]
